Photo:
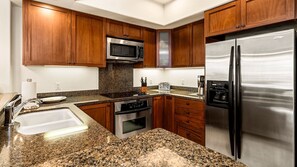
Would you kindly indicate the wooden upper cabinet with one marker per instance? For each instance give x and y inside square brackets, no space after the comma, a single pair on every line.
[89,40]
[223,19]
[150,60]
[244,14]
[198,58]
[262,12]
[182,46]
[123,30]
[46,34]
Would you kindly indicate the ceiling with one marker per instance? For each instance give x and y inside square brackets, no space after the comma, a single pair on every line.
[157,14]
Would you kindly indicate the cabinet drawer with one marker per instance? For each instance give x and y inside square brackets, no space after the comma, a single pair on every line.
[195,114]
[198,105]
[190,134]
[195,123]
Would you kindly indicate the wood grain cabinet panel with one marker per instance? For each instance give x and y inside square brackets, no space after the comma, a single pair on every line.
[198,59]
[244,14]
[168,115]
[182,46]
[46,34]
[102,113]
[89,34]
[189,116]
[262,12]
[158,107]
[223,19]
[150,56]
[123,30]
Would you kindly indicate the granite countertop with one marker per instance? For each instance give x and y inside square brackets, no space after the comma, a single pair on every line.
[27,150]
[156,147]
[99,147]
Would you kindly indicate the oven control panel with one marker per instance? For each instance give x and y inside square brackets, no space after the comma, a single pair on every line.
[134,105]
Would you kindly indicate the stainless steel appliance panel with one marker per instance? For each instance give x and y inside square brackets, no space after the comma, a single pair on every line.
[217,69]
[267,99]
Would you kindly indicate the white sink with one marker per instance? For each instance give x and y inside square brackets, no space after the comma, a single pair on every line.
[48,121]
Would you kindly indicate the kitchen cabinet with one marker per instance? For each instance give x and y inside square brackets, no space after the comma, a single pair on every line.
[198,57]
[102,113]
[244,14]
[182,46]
[168,114]
[189,119]
[188,45]
[123,30]
[149,37]
[46,34]
[163,48]
[158,107]
[88,40]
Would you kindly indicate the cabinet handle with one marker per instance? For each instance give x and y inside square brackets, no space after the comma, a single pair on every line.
[187,121]
[237,26]
[187,103]
[188,112]
[188,134]
[242,25]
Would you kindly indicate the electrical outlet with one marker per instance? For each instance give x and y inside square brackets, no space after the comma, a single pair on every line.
[58,86]
[183,82]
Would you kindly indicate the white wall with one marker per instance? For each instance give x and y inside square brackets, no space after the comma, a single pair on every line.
[47,77]
[5,61]
[175,76]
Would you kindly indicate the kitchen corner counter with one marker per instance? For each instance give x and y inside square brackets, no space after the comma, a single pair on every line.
[27,150]
[156,147]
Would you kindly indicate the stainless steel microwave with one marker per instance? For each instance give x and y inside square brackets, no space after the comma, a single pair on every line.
[122,50]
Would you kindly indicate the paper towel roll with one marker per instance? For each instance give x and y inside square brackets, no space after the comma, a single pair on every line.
[28,90]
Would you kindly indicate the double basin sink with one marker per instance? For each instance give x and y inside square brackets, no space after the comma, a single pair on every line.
[52,122]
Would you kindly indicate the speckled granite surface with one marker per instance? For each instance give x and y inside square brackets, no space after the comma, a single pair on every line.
[27,150]
[158,148]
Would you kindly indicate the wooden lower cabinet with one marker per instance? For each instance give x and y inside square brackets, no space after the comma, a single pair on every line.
[189,119]
[182,116]
[102,113]
[158,106]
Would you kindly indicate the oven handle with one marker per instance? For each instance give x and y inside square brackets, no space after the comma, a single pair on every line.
[132,111]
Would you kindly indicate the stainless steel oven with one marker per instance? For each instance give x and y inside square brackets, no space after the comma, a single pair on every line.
[132,117]
[119,50]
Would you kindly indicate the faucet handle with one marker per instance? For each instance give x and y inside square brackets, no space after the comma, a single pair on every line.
[14,101]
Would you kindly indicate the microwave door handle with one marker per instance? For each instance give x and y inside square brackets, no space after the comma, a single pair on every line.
[137,52]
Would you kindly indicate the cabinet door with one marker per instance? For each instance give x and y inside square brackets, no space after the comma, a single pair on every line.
[168,116]
[158,112]
[47,34]
[223,19]
[89,40]
[102,113]
[163,48]
[182,46]
[198,58]
[133,31]
[189,134]
[114,28]
[262,12]
[149,37]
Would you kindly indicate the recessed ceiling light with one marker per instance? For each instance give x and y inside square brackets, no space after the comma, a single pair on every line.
[163,2]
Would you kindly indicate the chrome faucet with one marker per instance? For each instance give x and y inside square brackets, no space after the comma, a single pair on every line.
[11,111]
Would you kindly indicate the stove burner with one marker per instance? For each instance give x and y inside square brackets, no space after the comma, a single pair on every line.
[121,94]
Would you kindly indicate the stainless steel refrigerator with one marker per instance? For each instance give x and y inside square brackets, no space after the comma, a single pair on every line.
[250,97]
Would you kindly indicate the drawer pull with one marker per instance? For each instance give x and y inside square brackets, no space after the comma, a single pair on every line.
[187,121]
[187,103]
[188,112]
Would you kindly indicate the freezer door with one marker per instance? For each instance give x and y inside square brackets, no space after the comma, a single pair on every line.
[267,99]
[217,118]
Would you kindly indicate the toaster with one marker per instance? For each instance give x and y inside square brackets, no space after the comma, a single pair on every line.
[164,86]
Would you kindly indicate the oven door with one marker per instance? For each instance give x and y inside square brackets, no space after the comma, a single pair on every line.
[129,123]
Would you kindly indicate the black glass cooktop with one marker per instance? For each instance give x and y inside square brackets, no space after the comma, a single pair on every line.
[122,94]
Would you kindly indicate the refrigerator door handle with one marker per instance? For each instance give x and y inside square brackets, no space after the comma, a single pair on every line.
[230,100]
[238,102]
